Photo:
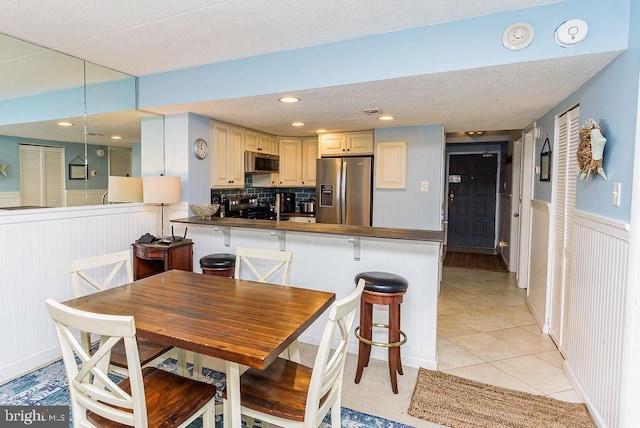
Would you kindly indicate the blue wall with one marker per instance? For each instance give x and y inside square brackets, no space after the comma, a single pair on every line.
[611,99]
[410,208]
[416,51]
[11,154]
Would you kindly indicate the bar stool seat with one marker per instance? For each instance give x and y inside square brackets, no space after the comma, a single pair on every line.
[220,264]
[381,288]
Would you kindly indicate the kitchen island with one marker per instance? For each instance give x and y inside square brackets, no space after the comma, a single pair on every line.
[328,256]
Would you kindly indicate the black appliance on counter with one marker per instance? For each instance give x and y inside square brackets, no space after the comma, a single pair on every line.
[287,202]
[244,206]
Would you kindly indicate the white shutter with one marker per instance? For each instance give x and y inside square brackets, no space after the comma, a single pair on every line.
[572,177]
[53,183]
[31,170]
[41,176]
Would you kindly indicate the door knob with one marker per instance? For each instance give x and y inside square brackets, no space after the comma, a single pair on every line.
[516,215]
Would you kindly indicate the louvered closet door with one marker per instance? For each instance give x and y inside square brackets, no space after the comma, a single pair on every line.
[41,176]
[564,179]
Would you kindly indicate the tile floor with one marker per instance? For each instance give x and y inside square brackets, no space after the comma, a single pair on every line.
[485,333]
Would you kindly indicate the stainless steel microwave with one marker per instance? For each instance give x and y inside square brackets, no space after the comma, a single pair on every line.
[260,162]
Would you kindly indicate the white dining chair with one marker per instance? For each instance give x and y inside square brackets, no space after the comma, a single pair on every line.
[289,394]
[98,273]
[149,397]
[261,265]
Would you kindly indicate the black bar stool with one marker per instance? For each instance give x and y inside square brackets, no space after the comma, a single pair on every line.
[220,264]
[381,288]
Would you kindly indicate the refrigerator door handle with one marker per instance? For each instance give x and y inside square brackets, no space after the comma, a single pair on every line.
[343,193]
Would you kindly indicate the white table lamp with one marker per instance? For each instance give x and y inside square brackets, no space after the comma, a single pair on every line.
[161,190]
[124,189]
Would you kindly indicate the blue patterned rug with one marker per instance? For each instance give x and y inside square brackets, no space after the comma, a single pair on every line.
[48,387]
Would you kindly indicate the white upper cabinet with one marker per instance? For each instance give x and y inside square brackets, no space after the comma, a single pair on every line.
[309,157]
[290,171]
[262,143]
[346,144]
[227,156]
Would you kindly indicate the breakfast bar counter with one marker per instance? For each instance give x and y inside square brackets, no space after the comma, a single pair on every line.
[327,257]
[333,229]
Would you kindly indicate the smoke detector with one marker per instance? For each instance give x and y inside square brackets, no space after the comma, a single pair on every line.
[571,32]
[372,111]
[517,36]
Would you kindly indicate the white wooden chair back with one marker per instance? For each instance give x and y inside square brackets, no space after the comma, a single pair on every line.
[90,387]
[256,264]
[83,271]
[328,368]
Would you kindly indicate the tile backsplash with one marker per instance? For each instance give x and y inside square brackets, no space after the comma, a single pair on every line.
[269,194]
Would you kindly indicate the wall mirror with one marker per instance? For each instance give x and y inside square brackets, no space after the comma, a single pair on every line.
[54,111]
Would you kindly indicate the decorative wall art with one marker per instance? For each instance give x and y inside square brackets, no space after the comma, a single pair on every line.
[78,169]
[591,150]
[545,161]
[3,169]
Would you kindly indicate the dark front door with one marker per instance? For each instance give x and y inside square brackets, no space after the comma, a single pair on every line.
[472,200]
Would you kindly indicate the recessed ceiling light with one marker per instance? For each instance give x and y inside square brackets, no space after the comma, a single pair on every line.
[386,117]
[116,137]
[471,132]
[65,124]
[297,124]
[289,99]
[320,131]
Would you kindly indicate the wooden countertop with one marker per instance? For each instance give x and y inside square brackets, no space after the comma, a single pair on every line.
[333,229]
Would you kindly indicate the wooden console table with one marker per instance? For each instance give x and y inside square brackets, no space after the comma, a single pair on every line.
[150,259]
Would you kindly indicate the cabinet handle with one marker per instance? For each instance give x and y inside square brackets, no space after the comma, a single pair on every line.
[259,148]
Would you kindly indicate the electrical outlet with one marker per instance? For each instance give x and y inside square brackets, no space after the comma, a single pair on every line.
[424,186]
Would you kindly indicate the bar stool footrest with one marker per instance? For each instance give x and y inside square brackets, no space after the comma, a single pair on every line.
[381,344]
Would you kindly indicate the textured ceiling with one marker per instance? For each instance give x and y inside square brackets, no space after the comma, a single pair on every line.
[151,36]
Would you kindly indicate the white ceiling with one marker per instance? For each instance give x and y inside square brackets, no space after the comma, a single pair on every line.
[150,36]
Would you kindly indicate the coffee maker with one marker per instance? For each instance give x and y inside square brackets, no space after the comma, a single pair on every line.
[287,202]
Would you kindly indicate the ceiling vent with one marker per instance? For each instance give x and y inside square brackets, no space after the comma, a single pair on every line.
[372,111]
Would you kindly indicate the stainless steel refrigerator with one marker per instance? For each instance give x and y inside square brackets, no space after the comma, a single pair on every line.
[343,190]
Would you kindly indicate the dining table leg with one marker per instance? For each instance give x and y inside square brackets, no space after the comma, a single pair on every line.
[232,419]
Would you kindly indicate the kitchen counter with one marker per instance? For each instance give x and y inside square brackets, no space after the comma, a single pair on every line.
[333,229]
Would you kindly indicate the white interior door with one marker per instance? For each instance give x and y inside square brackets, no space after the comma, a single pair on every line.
[526,194]
[514,231]
[564,191]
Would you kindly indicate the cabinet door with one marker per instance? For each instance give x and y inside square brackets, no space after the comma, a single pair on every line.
[251,141]
[309,157]
[290,162]
[360,143]
[333,144]
[391,165]
[219,164]
[265,180]
[235,156]
[267,144]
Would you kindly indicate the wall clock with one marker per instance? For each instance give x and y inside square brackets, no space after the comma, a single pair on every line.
[200,148]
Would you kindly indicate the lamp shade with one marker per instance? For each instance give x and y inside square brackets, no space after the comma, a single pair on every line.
[161,190]
[124,189]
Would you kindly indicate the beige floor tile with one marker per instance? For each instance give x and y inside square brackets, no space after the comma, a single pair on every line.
[552,357]
[487,373]
[524,340]
[450,326]
[483,321]
[539,374]
[517,315]
[452,356]
[486,347]
[569,396]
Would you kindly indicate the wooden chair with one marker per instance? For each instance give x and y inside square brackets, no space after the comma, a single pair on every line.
[149,397]
[116,266]
[289,394]
[256,264]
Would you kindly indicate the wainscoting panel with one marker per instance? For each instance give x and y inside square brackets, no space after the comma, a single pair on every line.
[9,199]
[594,336]
[37,247]
[78,198]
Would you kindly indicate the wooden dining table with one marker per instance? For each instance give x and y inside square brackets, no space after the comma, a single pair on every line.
[245,323]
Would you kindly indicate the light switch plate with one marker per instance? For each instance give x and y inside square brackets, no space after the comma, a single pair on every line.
[616,194]
[424,186]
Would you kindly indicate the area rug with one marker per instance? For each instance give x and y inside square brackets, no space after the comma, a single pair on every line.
[488,262]
[47,386]
[461,403]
